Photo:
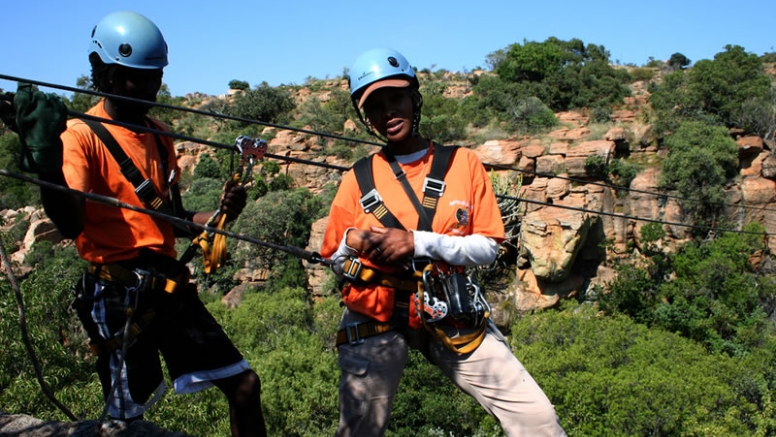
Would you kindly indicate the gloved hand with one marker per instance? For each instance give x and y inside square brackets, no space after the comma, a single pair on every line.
[233,201]
[40,119]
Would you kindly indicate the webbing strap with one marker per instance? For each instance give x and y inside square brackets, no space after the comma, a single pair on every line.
[371,201]
[433,188]
[434,184]
[143,187]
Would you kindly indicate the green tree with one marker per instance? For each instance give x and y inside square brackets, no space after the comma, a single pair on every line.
[81,102]
[612,377]
[562,74]
[14,194]
[702,158]
[732,89]
[263,103]
[242,85]
[678,61]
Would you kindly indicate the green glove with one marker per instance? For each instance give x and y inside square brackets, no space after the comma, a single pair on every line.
[40,119]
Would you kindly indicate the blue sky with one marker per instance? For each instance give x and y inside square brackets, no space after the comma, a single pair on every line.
[285,42]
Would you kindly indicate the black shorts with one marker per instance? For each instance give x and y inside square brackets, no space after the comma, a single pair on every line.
[194,346]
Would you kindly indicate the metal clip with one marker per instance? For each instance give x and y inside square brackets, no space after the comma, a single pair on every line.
[370,200]
[142,280]
[353,339]
[434,185]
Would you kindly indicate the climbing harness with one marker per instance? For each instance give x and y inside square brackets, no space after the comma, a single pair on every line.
[437,296]
[214,245]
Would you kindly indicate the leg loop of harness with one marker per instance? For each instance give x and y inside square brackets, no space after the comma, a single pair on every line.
[136,282]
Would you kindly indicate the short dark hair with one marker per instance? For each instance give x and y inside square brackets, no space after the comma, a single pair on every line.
[102,73]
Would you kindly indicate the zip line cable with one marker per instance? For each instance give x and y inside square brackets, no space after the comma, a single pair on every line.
[630,217]
[230,147]
[311,257]
[317,133]
[323,134]
[189,110]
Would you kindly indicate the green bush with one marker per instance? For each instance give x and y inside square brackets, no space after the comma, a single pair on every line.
[609,377]
[207,168]
[596,167]
[263,103]
[14,193]
[715,296]
[722,90]
[562,74]
[642,74]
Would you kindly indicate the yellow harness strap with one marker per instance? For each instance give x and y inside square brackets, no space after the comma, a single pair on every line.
[362,273]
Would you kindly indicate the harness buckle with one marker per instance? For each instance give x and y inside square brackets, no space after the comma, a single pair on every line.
[353,338]
[145,189]
[353,270]
[434,185]
[370,200]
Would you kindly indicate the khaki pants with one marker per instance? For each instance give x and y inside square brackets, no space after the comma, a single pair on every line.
[491,374]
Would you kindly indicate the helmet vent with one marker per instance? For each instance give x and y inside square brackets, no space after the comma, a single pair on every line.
[394,63]
[125,50]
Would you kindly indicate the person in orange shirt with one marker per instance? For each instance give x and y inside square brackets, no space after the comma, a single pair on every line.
[132,255]
[400,233]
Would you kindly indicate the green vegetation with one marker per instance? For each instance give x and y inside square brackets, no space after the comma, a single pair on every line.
[263,103]
[733,89]
[14,194]
[703,157]
[680,343]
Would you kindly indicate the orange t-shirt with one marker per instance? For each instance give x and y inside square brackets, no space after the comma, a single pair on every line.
[110,233]
[468,206]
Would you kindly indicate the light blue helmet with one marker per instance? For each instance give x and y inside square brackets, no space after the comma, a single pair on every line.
[129,39]
[383,65]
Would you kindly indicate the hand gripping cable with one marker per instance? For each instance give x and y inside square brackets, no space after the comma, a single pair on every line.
[213,245]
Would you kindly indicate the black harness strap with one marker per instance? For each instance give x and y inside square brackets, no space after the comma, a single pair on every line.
[144,189]
[433,188]
[434,184]
[371,200]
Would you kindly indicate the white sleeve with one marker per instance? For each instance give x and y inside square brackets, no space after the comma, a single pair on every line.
[342,254]
[469,250]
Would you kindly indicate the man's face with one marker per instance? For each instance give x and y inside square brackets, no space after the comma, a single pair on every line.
[390,112]
[138,84]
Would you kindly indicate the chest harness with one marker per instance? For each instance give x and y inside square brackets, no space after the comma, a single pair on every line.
[213,247]
[439,297]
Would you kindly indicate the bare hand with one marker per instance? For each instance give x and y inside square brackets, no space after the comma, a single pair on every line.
[393,246]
